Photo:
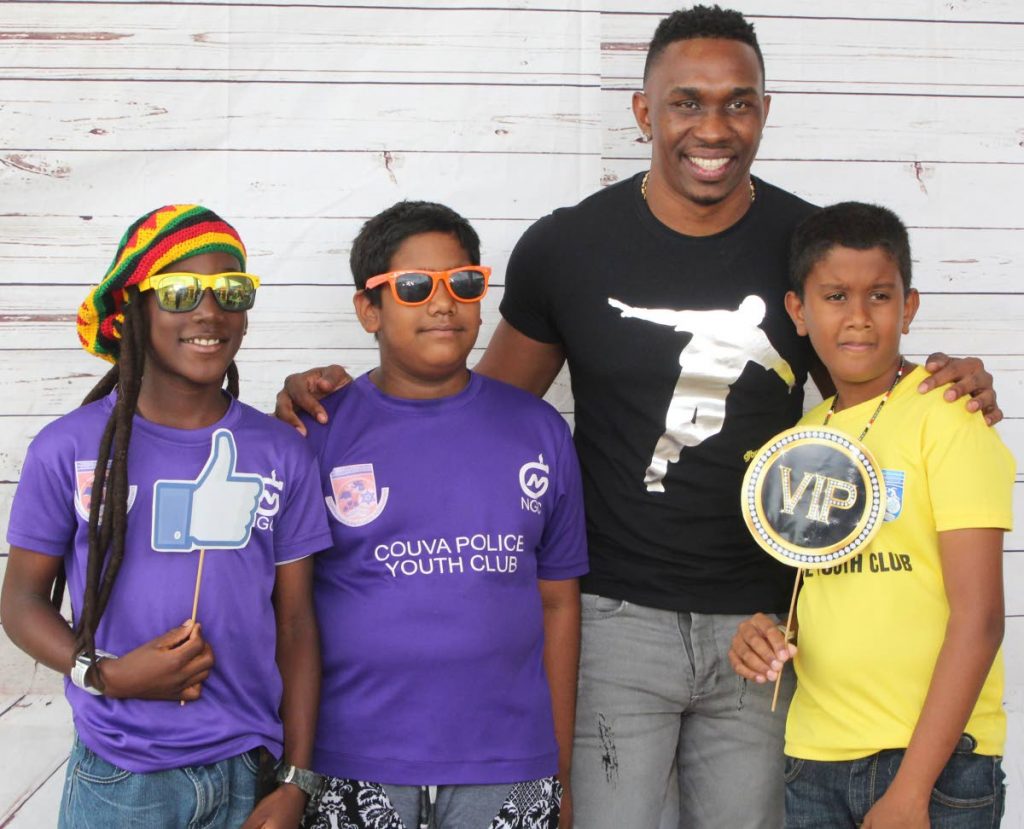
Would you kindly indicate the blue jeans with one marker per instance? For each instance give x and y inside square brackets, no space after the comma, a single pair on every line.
[969,793]
[666,732]
[99,795]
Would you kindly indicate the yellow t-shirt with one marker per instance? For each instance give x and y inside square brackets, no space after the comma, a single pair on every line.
[871,628]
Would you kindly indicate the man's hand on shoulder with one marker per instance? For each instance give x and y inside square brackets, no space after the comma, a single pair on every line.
[305,390]
[969,377]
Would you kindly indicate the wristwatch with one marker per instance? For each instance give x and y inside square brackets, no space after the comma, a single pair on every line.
[83,663]
[308,781]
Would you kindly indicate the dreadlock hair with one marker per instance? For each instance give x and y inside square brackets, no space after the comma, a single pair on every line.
[108,507]
[112,324]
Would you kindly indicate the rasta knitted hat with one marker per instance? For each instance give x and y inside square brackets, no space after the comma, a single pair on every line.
[158,239]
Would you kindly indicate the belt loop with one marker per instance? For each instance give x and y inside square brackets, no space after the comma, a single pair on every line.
[424,821]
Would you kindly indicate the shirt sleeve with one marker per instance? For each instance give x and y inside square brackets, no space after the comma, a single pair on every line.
[301,524]
[46,488]
[563,548]
[526,303]
[970,471]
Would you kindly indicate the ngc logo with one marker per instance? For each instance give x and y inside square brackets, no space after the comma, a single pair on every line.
[533,480]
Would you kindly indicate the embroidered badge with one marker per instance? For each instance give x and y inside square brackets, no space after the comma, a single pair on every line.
[354,490]
[85,472]
[893,493]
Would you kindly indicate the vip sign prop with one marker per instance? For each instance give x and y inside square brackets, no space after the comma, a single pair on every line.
[812,497]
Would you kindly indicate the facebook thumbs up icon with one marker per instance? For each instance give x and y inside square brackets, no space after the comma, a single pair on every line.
[215,511]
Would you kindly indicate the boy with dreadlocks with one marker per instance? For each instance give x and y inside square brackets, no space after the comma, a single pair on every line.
[159,463]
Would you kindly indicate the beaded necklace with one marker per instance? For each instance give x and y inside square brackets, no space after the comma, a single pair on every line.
[878,409]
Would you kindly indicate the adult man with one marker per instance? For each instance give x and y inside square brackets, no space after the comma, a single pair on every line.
[671,571]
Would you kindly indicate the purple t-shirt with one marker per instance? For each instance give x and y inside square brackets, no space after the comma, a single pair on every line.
[246,453]
[444,515]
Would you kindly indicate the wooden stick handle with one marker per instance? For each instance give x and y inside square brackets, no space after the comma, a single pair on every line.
[199,581]
[789,625]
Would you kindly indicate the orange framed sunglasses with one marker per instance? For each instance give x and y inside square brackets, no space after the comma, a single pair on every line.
[465,284]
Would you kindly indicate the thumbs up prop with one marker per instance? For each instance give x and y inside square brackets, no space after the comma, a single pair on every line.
[215,511]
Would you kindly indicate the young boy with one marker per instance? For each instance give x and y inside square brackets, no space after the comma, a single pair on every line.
[450,601]
[897,718]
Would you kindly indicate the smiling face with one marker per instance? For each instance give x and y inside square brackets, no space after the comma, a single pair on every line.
[193,348]
[423,348]
[854,309]
[704,107]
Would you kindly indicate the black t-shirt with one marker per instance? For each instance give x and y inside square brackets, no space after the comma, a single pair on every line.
[686,548]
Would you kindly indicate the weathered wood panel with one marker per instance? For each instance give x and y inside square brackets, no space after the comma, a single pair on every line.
[142,115]
[845,51]
[44,723]
[153,41]
[882,12]
[46,249]
[44,807]
[256,183]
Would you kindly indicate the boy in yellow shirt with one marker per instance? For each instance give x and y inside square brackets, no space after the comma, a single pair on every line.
[897,719]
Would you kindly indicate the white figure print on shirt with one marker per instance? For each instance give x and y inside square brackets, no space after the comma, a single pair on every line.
[721,345]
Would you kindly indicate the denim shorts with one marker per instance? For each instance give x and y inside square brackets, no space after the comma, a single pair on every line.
[968,794]
[99,795]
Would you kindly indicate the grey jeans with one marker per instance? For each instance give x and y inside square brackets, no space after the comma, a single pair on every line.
[666,733]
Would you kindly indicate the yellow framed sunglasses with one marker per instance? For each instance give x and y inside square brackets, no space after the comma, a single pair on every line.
[182,292]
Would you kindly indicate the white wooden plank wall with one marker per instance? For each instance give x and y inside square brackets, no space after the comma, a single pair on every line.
[298,120]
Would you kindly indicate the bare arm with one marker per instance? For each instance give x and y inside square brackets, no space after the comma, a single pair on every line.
[561,602]
[171,666]
[972,569]
[514,358]
[298,659]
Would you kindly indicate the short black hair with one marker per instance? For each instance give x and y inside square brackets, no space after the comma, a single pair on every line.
[382,235]
[849,224]
[698,22]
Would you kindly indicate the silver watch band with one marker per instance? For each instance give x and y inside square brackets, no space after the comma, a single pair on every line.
[308,781]
[81,668]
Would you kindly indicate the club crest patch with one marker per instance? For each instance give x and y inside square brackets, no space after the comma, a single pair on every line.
[354,501]
[893,493]
[85,472]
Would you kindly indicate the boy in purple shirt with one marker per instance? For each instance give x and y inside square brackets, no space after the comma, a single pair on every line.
[449,605]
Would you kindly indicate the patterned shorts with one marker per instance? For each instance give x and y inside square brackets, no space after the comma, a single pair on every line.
[356,804]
